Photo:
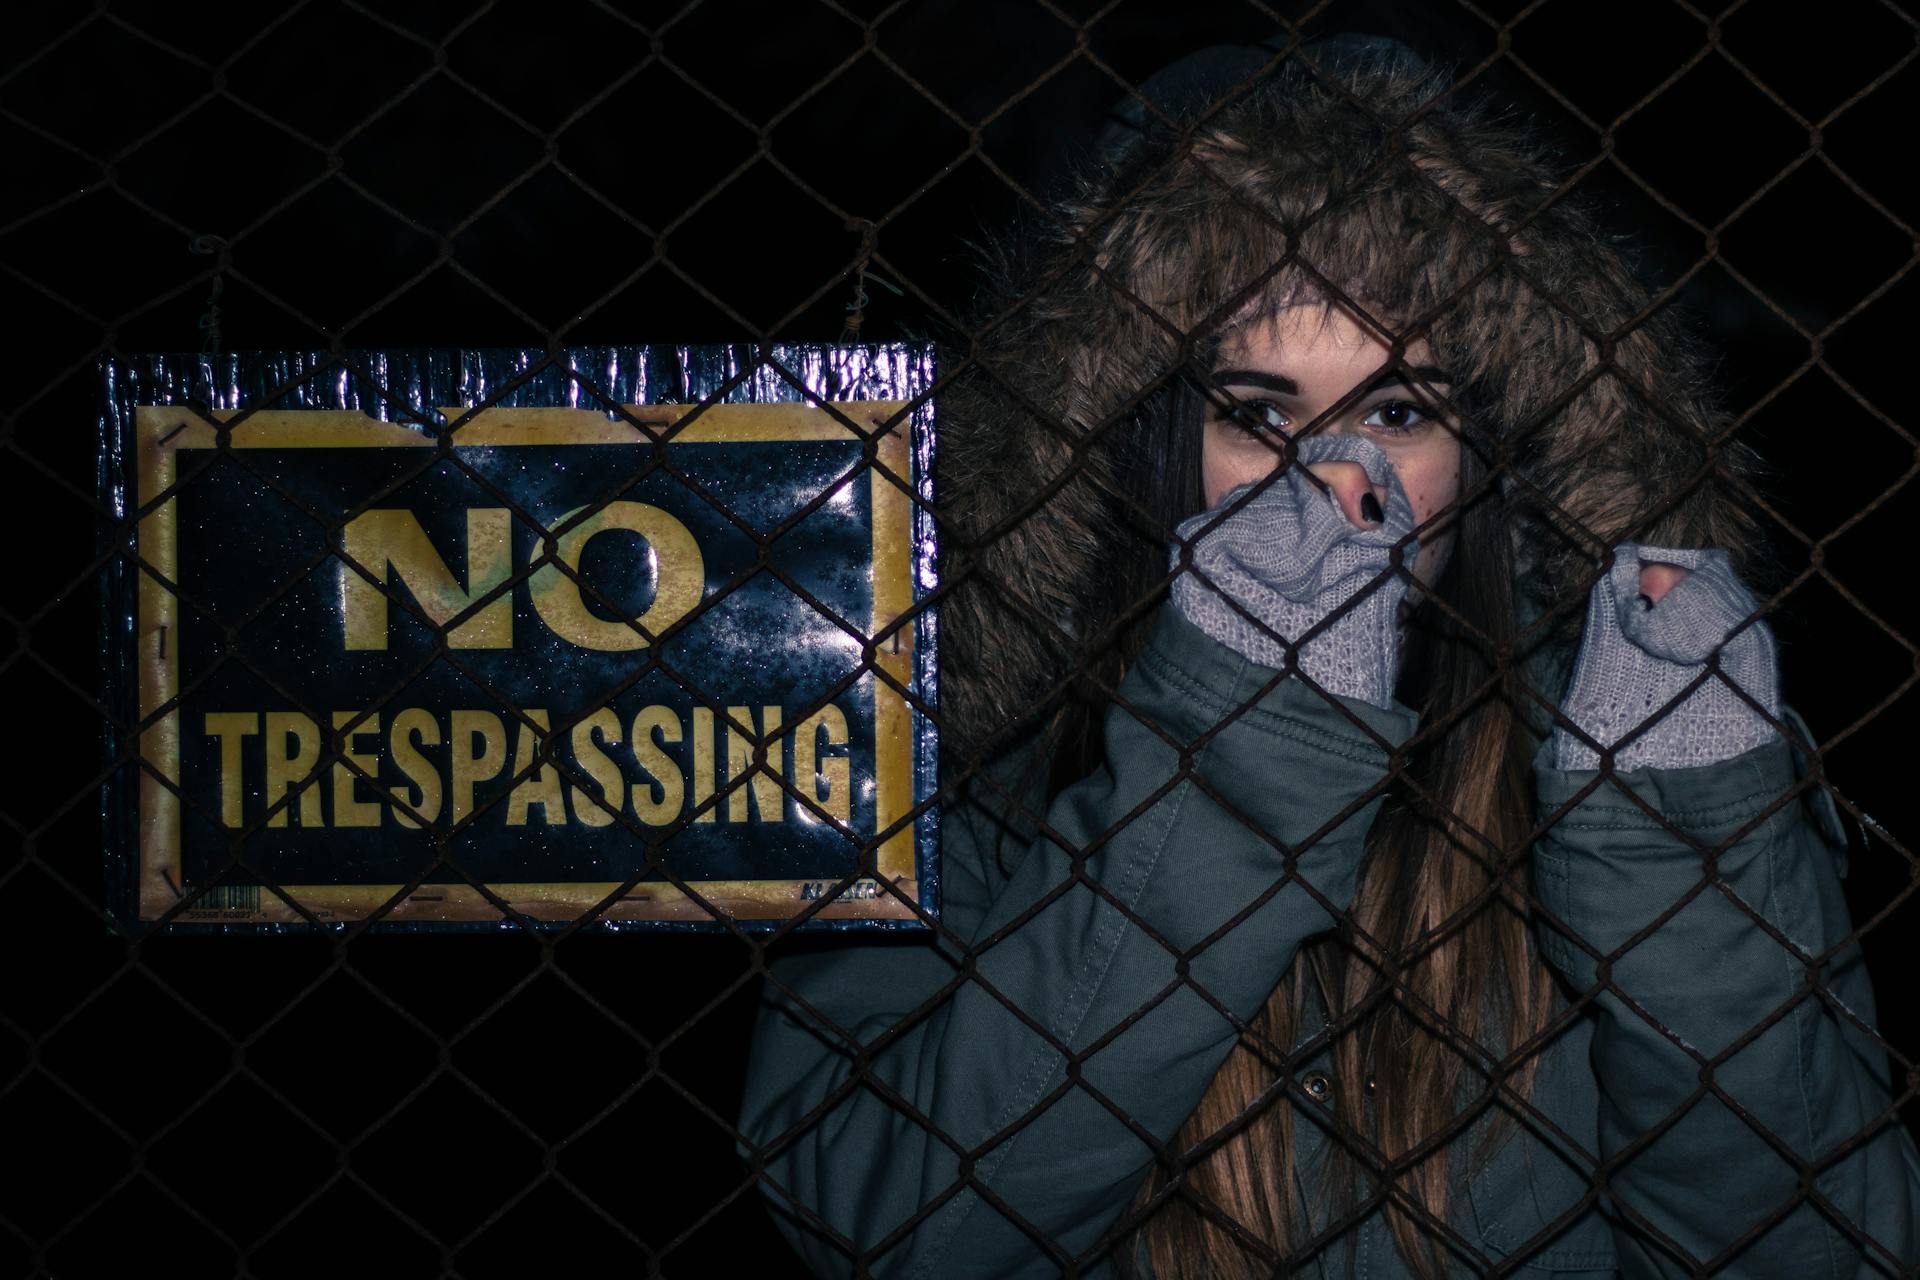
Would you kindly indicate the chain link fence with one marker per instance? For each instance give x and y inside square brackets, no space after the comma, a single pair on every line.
[338,176]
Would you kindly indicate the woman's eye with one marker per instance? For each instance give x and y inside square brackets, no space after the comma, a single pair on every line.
[1259,416]
[1397,416]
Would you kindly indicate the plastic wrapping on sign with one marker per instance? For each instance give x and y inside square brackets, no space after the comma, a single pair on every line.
[400,385]
[372,662]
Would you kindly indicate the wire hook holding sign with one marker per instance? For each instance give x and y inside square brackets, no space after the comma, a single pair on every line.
[862,274]
[207,245]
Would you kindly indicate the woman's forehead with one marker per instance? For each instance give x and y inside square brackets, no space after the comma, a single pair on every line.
[1311,342]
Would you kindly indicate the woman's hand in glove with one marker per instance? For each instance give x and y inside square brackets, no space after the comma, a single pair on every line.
[1268,569]
[1653,622]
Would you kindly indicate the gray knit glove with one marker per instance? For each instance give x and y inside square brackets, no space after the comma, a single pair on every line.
[1637,657]
[1289,558]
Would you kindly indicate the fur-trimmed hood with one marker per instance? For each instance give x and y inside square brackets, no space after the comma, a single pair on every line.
[1366,179]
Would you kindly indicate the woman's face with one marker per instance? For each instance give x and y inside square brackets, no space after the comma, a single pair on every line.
[1283,373]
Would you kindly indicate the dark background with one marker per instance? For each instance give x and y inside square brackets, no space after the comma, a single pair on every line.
[538,172]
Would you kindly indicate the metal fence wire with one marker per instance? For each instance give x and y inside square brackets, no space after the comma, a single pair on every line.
[339,175]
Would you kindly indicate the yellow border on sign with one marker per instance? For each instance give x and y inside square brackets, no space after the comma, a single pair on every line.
[162,432]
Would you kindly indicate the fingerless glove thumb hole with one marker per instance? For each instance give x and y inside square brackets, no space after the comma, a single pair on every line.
[1706,612]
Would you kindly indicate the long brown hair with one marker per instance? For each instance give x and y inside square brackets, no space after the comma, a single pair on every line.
[1431,976]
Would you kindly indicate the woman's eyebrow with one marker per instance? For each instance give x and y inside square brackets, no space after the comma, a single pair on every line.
[1254,378]
[1418,375]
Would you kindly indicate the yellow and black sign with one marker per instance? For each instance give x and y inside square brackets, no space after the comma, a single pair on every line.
[659,664]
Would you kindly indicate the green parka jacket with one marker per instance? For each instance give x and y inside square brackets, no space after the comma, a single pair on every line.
[909,1111]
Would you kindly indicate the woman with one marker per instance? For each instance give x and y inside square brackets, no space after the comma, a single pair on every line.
[1372,843]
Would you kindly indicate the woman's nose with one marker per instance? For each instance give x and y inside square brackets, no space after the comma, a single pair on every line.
[1363,503]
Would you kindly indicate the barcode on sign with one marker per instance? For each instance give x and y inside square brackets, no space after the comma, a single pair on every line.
[230,897]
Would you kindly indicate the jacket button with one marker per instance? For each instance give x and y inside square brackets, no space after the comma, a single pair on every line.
[1318,1087]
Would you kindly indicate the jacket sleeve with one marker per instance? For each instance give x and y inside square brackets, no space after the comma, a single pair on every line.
[1700,912]
[985,1104]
